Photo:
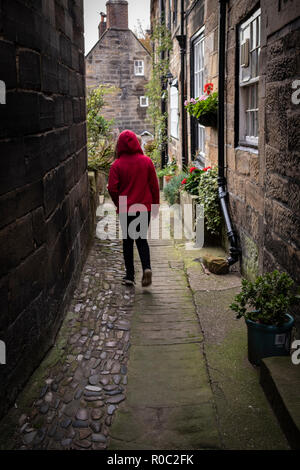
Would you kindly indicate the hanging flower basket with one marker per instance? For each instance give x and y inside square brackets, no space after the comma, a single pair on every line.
[208,119]
[205,107]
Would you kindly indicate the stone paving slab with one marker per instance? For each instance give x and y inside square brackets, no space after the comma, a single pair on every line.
[245,418]
[169,401]
[170,428]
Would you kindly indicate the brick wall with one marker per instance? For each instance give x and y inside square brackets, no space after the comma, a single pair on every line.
[44,205]
[117,14]
[111,62]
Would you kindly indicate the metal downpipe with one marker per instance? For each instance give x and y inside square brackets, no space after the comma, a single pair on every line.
[234,251]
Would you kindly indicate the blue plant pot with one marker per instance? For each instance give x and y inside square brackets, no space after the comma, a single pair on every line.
[268,340]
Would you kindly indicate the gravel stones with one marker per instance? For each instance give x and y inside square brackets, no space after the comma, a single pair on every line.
[44,408]
[98,438]
[93,388]
[97,414]
[94,379]
[111,409]
[116,399]
[82,414]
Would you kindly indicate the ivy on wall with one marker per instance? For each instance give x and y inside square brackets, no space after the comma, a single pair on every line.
[155,89]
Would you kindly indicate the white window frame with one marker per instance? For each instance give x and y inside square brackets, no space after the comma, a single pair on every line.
[199,70]
[139,68]
[146,103]
[174,109]
[249,46]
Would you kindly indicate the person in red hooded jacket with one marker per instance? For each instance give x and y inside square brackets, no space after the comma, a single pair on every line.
[134,189]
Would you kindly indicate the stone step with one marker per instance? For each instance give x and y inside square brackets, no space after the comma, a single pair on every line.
[280,379]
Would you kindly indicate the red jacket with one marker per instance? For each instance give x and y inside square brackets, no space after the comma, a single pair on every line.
[132,175]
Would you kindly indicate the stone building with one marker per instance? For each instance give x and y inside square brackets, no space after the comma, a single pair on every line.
[119,59]
[261,117]
[44,193]
[262,133]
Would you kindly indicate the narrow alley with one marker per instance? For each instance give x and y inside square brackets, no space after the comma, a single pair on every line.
[163,367]
[179,114]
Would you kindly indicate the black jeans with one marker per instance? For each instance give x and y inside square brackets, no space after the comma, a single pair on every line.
[137,232]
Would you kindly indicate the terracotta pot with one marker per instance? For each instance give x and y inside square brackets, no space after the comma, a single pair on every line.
[168,178]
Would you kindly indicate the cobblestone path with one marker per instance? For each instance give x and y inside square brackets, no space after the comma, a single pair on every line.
[72,398]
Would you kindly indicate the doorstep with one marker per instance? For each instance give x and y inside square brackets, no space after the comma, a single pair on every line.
[280,380]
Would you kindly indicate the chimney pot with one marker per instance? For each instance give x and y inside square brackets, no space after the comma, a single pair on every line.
[102,24]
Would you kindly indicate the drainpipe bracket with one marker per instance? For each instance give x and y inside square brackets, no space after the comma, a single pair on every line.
[182,41]
[222,194]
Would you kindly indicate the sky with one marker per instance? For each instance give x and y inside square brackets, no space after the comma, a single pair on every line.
[137,10]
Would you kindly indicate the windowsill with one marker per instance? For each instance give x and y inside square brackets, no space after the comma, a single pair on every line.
[246,147]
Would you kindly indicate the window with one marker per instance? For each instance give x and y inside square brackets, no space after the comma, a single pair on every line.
[169,13]
[175,12]
[248,79]
[144,102]
[138,67]
[198,57]
[174,114]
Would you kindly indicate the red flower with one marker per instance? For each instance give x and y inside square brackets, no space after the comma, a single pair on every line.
[193,169]
[183,181]
[207,168]
[208,88]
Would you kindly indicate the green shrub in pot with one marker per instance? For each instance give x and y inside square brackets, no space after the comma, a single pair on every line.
[172,189]
[264,304]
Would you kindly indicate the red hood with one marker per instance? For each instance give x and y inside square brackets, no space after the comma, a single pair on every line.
[128,144]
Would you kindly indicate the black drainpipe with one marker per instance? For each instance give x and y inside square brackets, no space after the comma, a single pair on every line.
[182,43]
[234,251]
[164,150]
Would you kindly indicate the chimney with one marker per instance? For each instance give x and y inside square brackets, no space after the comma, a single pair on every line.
[102,24]
[117,14]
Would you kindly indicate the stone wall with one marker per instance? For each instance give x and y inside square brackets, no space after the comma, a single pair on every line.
[111,62]
[44,197]
[264,183]
[197,14]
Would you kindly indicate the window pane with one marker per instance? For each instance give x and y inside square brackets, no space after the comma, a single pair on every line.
[198,87]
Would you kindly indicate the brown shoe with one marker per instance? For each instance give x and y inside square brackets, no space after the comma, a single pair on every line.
[147,278]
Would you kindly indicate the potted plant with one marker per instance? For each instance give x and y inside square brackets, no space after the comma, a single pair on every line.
[172,189]
[190,184]
[264,304]
[205,107]
[168,172]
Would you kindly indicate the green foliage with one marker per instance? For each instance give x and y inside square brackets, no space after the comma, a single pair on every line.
[191,183]
[265,300]
[209,197]
[205,104]
[172,189]
[155,90]
[150,147]
[170,169]
[102,158]
[99,130]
